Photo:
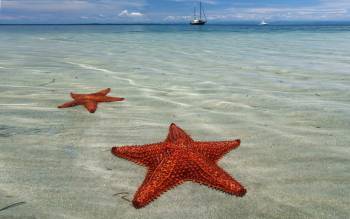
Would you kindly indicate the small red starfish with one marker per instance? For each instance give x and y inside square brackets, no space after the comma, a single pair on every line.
[178,159]
[90,101]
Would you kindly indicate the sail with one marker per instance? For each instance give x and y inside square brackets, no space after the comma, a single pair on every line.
[196,20]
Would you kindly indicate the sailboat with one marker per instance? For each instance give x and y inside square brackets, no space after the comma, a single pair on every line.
[199,21]
[263,23]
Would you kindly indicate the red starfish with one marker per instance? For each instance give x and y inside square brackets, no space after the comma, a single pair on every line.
[90,101]
[178,159]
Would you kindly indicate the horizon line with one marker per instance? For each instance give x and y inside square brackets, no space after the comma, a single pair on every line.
[250,22]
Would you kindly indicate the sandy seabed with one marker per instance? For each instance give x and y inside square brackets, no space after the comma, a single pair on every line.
[285,94]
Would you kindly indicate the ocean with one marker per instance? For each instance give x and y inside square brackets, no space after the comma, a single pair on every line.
[283,90]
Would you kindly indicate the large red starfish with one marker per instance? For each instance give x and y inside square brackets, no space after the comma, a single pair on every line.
[178,159]
[90,101]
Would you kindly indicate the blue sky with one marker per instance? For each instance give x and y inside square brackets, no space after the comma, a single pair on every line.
[158,11]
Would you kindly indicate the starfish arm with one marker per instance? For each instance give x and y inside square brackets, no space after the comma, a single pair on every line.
[77,96]
[176,134]
[209,174]
[91,106]
[99,93]
[215,150]
[102,92]
[69,104]
[109,99]
[147,155]
[158,180]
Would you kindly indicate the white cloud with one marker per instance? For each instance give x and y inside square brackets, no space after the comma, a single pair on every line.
[70,5]
[70,11]
[126,13]
[172,18]
[325,10]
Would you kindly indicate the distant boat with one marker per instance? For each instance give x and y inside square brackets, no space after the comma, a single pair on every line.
[263,23]
[199,21]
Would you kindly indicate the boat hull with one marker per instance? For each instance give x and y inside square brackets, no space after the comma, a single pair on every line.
[198,23]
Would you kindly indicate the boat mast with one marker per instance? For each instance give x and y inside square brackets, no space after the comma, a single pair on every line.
[200,10]
[194,13]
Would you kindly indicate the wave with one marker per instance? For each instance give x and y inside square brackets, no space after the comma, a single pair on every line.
[91,67]
[26,86]
[169,101]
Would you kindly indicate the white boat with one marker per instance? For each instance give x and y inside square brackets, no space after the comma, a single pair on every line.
[263,23]
[199,21]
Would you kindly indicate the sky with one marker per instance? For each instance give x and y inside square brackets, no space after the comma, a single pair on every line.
[170,11]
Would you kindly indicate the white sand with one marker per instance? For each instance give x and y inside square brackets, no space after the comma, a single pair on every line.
[288,103]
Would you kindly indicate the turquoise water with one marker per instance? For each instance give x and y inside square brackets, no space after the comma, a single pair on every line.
[283,90]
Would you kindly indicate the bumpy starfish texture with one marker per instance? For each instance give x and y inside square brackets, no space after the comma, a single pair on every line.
[90,101]
[178,159]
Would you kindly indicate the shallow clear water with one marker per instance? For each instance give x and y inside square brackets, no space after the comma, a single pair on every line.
[283,90]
